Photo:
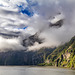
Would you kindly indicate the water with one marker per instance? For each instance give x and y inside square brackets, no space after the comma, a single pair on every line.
[23,70]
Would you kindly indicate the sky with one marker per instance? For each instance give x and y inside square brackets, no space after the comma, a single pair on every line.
[21,18]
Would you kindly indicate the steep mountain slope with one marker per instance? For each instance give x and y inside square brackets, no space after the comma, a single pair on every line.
[41,55]
[64,55]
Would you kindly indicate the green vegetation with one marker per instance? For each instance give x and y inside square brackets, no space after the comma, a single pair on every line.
[41,64]
[64,56]
[45,64]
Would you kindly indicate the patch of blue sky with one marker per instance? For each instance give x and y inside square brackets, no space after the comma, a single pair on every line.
[29,9]
[23,28]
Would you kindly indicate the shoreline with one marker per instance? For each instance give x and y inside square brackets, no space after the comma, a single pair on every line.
[35,66]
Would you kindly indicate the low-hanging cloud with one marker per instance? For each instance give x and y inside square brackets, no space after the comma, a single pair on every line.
[10,44]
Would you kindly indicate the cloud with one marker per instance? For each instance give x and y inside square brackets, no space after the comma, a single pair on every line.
[10,44]
[12,4]
[13,20]
[55,36]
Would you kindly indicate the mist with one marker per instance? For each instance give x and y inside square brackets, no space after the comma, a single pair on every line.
[13,20]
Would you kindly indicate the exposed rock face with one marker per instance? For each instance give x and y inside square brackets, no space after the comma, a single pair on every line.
[66,55]
[57,24]
[47,61]
[31,40]
[57,21]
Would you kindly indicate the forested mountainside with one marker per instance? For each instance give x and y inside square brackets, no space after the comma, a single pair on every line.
[24,57]
[62,56]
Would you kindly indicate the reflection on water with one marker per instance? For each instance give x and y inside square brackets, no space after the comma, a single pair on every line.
[35,71]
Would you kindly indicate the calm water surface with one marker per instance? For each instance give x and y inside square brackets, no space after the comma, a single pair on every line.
[35,71]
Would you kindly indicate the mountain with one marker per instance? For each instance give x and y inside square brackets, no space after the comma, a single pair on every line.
[63,56]
[31,40]
[26,57]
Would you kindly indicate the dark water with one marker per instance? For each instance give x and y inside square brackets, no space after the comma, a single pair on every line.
[35,71]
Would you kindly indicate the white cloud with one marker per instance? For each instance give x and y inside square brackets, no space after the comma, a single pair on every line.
[12,3]
[11,20]
[10,44]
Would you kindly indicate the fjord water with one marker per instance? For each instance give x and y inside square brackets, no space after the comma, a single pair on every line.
[35,71]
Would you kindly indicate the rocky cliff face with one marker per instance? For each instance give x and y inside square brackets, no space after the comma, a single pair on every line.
[31,40]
